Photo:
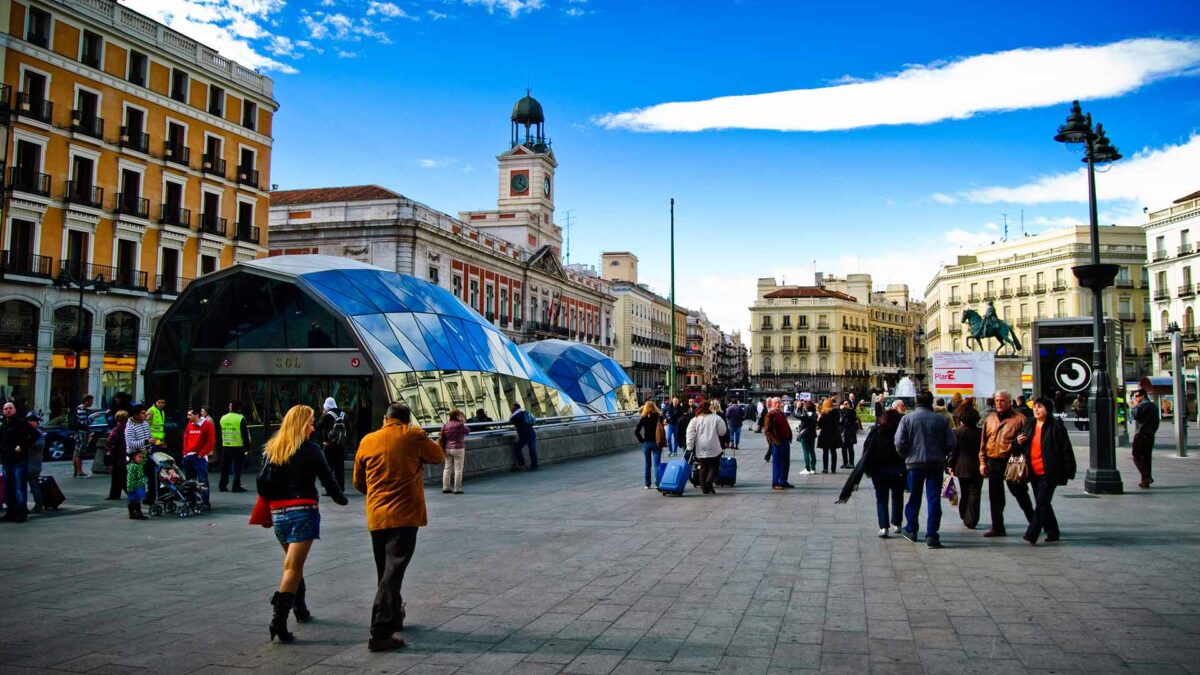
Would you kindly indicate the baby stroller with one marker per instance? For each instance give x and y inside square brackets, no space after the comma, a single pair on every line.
[176,494]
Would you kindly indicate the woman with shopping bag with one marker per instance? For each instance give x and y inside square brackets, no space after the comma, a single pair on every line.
[1050,459]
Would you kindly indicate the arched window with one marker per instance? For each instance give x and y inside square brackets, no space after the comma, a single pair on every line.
[121,333]
[67,326]
[803,367]
[1166,319]
[823,364]
[1189,320]
[787,364]
[766,364]
[18,325]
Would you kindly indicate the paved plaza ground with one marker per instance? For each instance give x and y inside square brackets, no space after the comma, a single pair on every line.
[577,569]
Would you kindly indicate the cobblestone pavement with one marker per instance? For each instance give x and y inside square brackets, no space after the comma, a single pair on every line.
[578,569]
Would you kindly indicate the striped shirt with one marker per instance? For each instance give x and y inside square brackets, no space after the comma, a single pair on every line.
[137,435]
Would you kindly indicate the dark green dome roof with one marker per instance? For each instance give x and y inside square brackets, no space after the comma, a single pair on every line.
[528,111]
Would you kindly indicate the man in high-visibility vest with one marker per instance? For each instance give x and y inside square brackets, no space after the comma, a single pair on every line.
[235,438]
[157,417]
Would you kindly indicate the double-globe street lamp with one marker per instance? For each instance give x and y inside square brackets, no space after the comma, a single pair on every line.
[1102,476]
[66,280]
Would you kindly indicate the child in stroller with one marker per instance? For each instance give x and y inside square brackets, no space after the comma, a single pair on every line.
[175,493]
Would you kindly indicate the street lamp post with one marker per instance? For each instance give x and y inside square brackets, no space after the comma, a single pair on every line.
[1102,476]
[671,387]
[65,281]
[1179,390]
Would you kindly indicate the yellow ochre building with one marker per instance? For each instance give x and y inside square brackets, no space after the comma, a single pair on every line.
[134,159]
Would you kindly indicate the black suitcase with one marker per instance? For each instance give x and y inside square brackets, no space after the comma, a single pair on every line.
[52,496]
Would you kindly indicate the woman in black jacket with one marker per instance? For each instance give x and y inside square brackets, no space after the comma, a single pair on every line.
[650,434]
[829,436]
[885,466]
[850,424]
[1051,460]
[963,462]
[291,466]
[807,434]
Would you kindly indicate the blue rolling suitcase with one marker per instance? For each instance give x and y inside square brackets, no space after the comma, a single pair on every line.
[675,478]
[662,466]
[727,472]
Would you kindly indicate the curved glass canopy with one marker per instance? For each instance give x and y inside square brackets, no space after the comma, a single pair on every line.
[432,350]
[588,376]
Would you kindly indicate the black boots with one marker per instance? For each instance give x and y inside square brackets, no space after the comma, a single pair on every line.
[135,511]
[282,602]
[300,608]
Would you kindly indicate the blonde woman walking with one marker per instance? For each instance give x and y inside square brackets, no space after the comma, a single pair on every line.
[291,465]
[649,432]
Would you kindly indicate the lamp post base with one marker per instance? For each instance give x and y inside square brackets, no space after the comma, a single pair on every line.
[1103,482]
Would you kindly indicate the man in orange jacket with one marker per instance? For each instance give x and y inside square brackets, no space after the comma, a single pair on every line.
[389,468]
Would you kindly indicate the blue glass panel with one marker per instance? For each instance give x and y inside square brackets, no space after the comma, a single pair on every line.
[371,285]
[351,304]
[377,334]
[404,327]
[435,340]
[458,342]
[477,341]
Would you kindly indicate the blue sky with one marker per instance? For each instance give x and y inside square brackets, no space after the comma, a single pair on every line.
[900,138]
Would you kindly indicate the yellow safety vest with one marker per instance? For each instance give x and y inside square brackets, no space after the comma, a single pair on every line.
[158,423]
[231,430]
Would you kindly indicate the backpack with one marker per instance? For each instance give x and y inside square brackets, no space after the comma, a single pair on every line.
[337,433]
[529,418]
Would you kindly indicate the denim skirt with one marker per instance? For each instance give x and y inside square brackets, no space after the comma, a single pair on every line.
[295,525]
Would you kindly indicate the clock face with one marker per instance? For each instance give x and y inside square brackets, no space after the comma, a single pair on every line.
[546,186]
[520,182]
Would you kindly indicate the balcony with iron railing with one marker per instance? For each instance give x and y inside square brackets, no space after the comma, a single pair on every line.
[955,329]
[88,125]
[974,298]
[1187,291]
[173,215]
[176,153]
[26,264]
[1123,283]
[170,285]
[1006,293]
[39,109]
[1162,294]
[29,181]
[1160,254]
[1125,316]
[84,194]
[247,176]
[954,301]
[1185,249]
[116,277]
[247,232]
[135,139]
[212,224]
[1039,288]
[213,165]
[130,204]
[1022,290]
[989,296]
[822,326]
[1060,286]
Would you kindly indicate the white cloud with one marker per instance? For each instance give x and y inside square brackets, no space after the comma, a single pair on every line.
[991,226]
[431,163]
[942,198]
[388,10]
[343,54]
[1060,221]
[513,7]
[1152,177]
[328,3]
[339,27]
[922,94]
[436,16]
[575,11]
[231,27]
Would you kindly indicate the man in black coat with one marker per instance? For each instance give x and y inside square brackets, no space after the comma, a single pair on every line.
[17,440]
[1145,423]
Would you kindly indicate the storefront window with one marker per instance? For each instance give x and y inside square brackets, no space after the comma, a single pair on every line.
[18,351]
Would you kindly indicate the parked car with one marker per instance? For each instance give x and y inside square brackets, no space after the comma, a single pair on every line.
[59,441]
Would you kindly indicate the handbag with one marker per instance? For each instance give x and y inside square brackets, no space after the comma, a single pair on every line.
[1017,470]
[261,515]
[950,492]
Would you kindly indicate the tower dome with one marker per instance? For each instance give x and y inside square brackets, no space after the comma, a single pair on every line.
[527,117]
[528,111]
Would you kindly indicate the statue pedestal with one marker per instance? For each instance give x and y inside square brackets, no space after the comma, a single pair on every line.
[1008,375]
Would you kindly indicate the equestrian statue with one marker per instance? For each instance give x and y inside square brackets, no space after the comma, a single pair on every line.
[990,326]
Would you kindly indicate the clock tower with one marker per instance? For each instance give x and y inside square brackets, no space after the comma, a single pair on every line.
[527,172]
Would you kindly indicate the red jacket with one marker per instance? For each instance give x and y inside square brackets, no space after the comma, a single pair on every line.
[199,439]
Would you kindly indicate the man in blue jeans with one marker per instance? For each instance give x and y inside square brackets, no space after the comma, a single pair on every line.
[17,440]
[734,416]
[923,439]
[522,421]
[778,431]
